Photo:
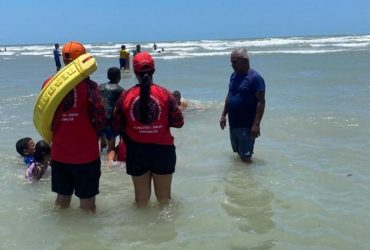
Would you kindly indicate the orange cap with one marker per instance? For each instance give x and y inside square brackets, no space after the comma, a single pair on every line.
[73,50]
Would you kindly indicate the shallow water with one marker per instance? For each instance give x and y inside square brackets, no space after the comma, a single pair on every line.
[307,189]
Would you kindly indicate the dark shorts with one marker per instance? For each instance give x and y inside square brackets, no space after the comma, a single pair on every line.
[108,133]
[122,62]
[241,142]
[58,65]
[141,158]
[82,179]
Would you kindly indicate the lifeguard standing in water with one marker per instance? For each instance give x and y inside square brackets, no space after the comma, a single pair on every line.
[144,115]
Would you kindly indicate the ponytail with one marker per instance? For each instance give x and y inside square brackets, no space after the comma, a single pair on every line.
[146,81]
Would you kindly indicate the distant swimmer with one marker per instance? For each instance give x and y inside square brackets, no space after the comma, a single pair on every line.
[124,58]
[137,50]
[155,46]
[57,56]
[180,102]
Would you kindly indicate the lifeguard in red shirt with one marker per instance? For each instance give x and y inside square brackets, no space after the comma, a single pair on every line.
[143,116]
[75,150]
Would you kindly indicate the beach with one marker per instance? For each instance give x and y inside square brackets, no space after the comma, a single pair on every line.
[308,187]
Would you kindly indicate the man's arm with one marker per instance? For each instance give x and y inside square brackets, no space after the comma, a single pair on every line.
[255,130]
[224,112]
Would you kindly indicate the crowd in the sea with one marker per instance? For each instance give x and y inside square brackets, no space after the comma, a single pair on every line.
[92,117]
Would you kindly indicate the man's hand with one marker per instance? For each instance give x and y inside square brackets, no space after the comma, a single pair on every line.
[255,131]
[223,122]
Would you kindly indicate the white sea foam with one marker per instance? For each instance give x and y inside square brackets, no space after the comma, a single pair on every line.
[322,51]
[204,48]
[349,45]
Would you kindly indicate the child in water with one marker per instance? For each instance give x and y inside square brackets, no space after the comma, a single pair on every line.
[181,103]
[110,91]
[26,148]
[41,161]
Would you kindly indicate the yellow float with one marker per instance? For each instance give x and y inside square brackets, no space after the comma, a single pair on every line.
[57,88]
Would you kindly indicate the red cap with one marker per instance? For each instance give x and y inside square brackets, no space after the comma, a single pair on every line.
[73,50]
[143,62]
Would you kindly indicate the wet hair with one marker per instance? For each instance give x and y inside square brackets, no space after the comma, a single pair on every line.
[146,81]
[42,149]
[123,47]
[176,93]
[22,144]
[114,74]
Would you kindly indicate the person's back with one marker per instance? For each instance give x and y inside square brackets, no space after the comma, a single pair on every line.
[144,115]
[124,58]
[74,115]
[75,149]
[111,91]
[57,57]
[157,130]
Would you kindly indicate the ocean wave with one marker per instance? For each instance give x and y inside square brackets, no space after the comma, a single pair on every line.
[321,51]
[204,48]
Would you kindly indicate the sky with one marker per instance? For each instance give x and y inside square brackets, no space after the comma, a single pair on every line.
[95,21]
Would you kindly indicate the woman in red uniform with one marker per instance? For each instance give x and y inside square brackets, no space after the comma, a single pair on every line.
[144,115]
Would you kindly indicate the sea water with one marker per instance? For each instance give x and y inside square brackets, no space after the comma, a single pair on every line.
[308,187]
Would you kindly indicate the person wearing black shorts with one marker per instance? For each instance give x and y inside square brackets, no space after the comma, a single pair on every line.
[143,116]
[75,150]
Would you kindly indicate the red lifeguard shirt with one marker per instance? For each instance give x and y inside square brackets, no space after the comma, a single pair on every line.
[75,139]
[163,114]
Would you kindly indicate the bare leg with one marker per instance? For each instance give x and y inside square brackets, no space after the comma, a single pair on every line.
[103,142]
[162,187]
[111,153]
[142,185]
[63,201]
[88,205]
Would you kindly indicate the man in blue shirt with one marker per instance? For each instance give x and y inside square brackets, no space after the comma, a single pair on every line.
[244,105]
[57,56]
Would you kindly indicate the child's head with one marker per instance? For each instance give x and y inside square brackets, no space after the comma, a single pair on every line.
[42,151]
[114,75]
[25,146]
[177,96]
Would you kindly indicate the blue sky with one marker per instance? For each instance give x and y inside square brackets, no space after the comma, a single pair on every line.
[50,21]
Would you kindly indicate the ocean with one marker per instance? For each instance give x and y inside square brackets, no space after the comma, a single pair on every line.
[308,187]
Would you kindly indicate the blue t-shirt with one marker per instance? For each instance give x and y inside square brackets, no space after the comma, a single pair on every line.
[242,101]
[28,159]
